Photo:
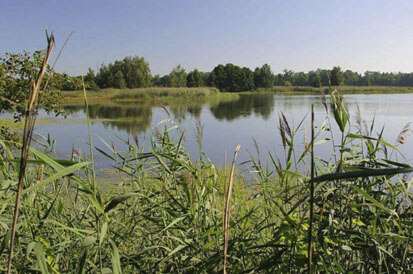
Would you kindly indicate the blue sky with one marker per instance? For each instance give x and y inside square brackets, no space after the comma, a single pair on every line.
[299,35]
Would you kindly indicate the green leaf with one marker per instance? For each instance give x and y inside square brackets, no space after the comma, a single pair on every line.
[117,269]
[177,220]
[60,174]
[358,222]
[361,174]
[355,136]
[103,231]
[30,248]
[41,259]
[117,200]
[372,200]
[88,241]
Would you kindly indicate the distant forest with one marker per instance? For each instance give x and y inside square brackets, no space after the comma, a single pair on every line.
[134,72]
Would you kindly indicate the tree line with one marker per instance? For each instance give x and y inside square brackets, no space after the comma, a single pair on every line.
[134,72]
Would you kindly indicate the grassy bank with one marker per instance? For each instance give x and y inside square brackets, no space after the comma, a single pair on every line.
[165,212]
[12,124]
[153,93]
[203,93]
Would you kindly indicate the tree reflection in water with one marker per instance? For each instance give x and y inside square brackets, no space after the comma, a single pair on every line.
[260,104]
[137,116]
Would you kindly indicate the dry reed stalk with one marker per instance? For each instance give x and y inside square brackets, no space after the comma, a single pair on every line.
[310,227]
[401,138]
[324,101]
[258,153]
[57,58]
[30,120]
[286,125]
[282,133]
[227,208]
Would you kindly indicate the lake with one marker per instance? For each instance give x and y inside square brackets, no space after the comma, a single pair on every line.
[225,123]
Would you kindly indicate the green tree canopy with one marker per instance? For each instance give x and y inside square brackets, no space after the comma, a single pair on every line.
[16,73]
[263,77]
[177,77]
[315,79]
[194,79]
[135,72]
[231,78]
[337,77]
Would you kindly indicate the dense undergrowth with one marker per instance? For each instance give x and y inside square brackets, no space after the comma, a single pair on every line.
[165,213]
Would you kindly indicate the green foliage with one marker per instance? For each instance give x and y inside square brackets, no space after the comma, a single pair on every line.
[16,73]
[164,213]
[337,77]
[159,81]
[63,81]
[119,80]
[90,80]
[348,78]
[263,77]
[177,77]
[131,72]
[315,79]
[194,79]
[339,111]
[231,78]
[287,84]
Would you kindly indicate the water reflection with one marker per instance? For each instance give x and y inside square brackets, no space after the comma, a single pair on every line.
[259,104]
[137,116]
[229,122]
[126,117]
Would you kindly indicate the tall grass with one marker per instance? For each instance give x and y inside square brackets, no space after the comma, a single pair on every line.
[163,212]
[165,92]
[143,93]
[30,121]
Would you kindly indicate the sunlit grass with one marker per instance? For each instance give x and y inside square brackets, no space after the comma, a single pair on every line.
[163,211]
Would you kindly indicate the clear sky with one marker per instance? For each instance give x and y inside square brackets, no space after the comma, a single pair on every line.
[299,35]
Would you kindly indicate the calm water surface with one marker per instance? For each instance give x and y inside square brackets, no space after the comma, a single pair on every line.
[226,123]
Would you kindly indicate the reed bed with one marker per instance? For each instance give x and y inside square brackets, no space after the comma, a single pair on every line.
[142,93]
[165,92]
[166,212]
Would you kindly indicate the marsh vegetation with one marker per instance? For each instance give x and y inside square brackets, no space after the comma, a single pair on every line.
[167,210]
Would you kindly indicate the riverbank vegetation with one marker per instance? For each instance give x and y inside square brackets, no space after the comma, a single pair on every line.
[165,210]
[154,94]
[169,212]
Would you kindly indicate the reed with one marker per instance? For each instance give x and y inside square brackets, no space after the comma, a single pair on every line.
[227,208]
[30,120]
[162,211]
